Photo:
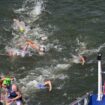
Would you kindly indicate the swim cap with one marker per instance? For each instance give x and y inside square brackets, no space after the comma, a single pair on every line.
[21,29]
[7,81]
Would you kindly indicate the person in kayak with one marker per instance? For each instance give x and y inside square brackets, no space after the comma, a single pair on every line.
[14,96]
[46,85]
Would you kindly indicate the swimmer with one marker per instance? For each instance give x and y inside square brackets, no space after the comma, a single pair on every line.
[32,44]
[6,82]
[19,25]
[83,59]
[14,96]
[11,52]
[37,47]
[46,85]
[18,52]
[79,59]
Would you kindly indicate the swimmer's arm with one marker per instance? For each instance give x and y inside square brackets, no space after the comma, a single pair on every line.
[25,47]
[82,60]
[12,78]
[18,96]
[49,84]
[3,78]
[1,83]
[33,45]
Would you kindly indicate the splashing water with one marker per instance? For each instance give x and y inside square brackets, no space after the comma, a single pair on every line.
[37,9]
[31,8]
[38,75]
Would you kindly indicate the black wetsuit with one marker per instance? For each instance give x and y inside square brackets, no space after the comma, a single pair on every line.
[13,95]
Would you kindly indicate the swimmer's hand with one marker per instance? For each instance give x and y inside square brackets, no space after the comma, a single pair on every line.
[11,100]
[82,60]
[82,63]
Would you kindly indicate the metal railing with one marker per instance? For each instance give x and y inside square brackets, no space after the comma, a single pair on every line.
[84,100]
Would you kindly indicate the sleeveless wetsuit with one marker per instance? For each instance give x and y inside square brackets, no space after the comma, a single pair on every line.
[13,95]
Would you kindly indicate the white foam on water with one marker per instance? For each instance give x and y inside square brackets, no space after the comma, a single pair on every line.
[62,66]
[93,51]
[81,46]
[60,87]
[83,50]
[31,8]
[37,9]
[16,52]
[38,75]
[75,59]
[37,35]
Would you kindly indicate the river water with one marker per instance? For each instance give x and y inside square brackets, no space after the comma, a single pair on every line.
[73,27]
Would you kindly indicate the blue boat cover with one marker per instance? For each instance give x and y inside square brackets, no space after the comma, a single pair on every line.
[93,100]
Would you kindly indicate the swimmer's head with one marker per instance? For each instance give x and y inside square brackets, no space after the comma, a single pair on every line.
[85,58]
[14,87]
[46,80]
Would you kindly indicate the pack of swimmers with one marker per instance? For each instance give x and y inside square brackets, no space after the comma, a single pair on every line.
[20,26]
[12,92]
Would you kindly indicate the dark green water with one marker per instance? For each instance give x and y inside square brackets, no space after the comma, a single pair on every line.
[69,25]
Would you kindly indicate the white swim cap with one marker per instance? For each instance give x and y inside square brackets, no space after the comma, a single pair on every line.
[42,48]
